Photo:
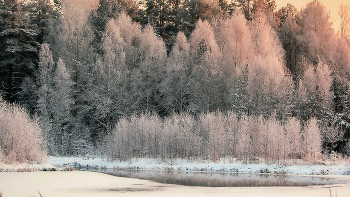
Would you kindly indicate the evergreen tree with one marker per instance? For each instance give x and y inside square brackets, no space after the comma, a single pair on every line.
[149,76]
[28,97]
[42,15]
[340,88]
[334,135]
[61,106]
[246,6]
[129,6]
[19,46]
[314,95]
[107,10]
[177,87]
[73,45]
[107,95]
[288,34]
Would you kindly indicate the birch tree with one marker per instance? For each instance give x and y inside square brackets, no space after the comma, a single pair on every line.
[45,94]
[311,140]
[344,21]
[21,137]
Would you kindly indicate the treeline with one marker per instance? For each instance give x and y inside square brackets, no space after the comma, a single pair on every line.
[213,136]
[86,66]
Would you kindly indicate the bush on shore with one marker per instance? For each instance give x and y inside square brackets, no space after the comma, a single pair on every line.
[21,139]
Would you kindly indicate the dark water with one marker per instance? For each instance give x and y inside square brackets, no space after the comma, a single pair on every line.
[214,179]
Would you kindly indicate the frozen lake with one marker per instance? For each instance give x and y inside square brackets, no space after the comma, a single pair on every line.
[216,179]
[92,184]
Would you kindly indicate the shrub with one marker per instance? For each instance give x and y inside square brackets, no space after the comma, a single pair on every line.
[20,135]
[213,136]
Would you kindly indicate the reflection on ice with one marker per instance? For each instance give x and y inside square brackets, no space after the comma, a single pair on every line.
[210,179]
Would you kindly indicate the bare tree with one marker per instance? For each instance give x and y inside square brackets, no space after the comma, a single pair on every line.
[344,21]
[45,93]
[311,140]
[21,139]
[294,138]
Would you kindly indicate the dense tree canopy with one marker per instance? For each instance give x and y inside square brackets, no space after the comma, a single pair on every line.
[89,68]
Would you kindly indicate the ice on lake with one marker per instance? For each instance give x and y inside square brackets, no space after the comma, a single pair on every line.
[215,179]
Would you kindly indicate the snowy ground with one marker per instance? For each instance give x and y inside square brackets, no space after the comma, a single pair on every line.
[298,167]
[25,167]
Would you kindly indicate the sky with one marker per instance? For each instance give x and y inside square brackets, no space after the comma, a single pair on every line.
[332,5]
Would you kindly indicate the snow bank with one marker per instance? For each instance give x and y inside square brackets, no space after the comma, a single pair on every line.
[26,167]
[67,163]
[185,165]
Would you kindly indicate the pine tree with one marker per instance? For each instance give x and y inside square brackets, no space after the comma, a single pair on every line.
[246,6]
[42,15]
[107,10]
[157,15]
[19,46]
[288,34]
[340,88]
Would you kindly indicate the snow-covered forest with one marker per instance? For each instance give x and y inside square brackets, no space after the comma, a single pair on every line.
[191,79]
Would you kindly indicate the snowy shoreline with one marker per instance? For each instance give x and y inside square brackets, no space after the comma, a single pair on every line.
[299,168]
[184,165]
[26,167]
[294,168]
